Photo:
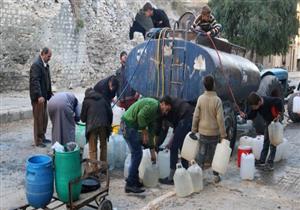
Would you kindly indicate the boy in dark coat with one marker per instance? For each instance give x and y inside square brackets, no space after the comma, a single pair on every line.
[270,108]
[97,114]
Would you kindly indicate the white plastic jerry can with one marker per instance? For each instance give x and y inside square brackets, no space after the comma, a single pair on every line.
[111,153]
[247,166]
[190,147]
[182,181]
[127,165]
[221,157]
[145,162]
[281,151]
[275,130]
[151,176]
[285,149]
[197,177]
[257,146]
[163,158]
[120,149]
[117,114]
[246,141]
[296,104]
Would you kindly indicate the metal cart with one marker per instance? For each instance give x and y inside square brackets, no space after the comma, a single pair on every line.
[86,199]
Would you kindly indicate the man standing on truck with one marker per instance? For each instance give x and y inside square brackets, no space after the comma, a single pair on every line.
[270,108]
[141,116]
[208,121]
[158,16]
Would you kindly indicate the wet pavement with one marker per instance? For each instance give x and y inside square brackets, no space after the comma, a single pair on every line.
[269,190]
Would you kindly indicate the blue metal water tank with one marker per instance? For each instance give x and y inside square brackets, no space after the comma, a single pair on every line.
[177,69]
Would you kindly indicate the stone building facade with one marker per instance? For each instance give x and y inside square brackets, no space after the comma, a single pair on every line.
[85,44]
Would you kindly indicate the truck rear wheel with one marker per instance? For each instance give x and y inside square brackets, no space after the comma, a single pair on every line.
[269,86]
[230,123]
[293,116]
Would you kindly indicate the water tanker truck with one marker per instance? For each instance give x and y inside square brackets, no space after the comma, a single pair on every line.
[174,61]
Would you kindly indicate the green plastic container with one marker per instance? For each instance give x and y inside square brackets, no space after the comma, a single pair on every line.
[67,168]
[80,135]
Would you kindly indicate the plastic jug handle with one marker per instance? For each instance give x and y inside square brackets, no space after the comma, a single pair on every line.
[193,136]
[178,165]
[193,162]
[30,175]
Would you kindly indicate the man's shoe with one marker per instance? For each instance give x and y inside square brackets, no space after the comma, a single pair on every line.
[259,164]
[41,145]
[269,167]
[47,141]
[133,189]
[139,185]
[217,179]
[166,181]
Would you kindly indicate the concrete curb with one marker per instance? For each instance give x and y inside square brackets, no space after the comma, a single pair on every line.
[15,115]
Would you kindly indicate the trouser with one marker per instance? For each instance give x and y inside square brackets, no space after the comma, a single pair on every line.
[133,140]
[265,150]
[182,129]
[40,121]
[100,133]
[207,150]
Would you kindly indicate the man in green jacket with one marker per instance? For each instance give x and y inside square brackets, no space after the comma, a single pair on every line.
[142,115]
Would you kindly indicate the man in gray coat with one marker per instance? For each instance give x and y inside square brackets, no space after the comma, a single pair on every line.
[40,92]
[64,112]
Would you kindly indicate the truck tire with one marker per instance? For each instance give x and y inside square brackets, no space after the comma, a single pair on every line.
[269,86]
[230,123]
[293,116]
[186,20]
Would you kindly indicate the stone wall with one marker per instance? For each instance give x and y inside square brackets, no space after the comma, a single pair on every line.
[85,43]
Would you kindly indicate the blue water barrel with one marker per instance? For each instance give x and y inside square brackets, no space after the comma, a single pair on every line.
[39,180]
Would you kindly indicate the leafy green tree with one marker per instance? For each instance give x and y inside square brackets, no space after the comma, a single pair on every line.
[263,26]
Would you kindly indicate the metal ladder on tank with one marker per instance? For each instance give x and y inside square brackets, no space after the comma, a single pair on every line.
[175,67]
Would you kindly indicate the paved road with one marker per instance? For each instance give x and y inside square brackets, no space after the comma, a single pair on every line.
[277,190]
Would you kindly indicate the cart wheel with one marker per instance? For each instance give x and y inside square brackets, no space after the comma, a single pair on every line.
[105,205]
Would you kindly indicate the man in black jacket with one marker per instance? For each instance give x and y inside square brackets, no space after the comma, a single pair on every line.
[271,109]
[141,23]
[107,87]
[180,117]
[158,16]
[40,92]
